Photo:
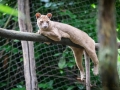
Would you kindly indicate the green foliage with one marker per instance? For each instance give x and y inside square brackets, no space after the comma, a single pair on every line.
[118,63]
[62,63]
[50,60]
[70,88]
[3,84]
[47,85]
[8,10]
[67,54]
[118,31]
[19,86]
[93,5]
[80,86]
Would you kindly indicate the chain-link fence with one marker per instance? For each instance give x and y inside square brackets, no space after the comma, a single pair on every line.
[55,64]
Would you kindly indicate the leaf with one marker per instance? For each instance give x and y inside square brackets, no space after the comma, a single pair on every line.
[70,88]
[15,19]
[42,85]
[46,1]
[7,48]
[50,84]
[15,50]
[37,55]
[11,11]
[61,63]
[15,40]
[8,10]
[19,86]
[93,5]
[80,86]
[70,64]
[118,55]
[69,13]
[3,84]
[47,5]
[57,54]
[21,59]
[61,71]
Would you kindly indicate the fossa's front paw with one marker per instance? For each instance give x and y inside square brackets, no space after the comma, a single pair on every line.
[47,43]
[38,32]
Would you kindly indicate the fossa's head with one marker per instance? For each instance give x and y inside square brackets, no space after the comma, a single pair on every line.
[43,20]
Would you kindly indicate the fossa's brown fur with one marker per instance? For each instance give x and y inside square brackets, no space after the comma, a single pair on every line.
[56,30]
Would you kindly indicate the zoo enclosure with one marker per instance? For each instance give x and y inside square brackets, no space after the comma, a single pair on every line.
[47,58]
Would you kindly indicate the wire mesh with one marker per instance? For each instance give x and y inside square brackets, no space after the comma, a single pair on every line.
[55,64]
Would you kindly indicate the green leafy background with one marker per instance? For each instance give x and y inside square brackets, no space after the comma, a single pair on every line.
[55,64]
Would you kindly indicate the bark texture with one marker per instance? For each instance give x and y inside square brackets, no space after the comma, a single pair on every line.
[27,46]
[27,36]
[108,45]
[87,65]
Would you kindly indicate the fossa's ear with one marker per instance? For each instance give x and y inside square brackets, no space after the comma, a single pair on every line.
[37,15]
[49,15]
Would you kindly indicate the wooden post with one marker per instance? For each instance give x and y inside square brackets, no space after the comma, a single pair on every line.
[87,65]
[27,46]
[108,45]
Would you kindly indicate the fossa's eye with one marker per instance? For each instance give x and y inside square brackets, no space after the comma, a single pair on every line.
[41,22]
[47,21]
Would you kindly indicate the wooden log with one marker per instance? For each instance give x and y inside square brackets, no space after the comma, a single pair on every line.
[28,36]
[27,47]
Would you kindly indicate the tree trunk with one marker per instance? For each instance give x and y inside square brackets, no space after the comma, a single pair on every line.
[27,46]
[108,45]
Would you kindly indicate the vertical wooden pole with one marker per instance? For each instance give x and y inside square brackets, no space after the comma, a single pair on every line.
[87,65]
[108,45]
[27,46]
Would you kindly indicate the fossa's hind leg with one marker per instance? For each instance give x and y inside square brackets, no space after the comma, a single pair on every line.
[92,54]
[78,52]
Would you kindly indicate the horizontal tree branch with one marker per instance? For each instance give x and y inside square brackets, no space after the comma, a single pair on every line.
[27,36]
